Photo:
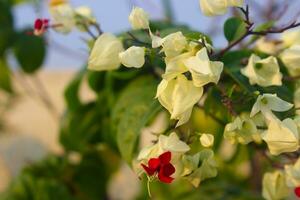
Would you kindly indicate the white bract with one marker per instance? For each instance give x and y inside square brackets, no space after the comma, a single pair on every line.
[179,96]
[292,173]
[291,59]
[274,187]
[105,53]
[63,17]
[267,103]
[133,57]
[139,19]
[218,7]
[291,37]
[263,72]
[281,136]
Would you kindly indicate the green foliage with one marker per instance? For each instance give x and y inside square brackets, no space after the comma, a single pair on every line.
[134,108]
[30,51]
[234,28]
[5,77]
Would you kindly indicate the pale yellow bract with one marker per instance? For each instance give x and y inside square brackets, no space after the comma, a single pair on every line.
[133,57]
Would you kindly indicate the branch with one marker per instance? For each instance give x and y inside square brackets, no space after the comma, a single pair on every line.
[249,31]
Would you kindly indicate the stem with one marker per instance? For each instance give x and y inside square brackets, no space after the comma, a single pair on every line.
[148,187]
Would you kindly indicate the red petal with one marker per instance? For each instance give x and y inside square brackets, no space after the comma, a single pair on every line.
[154,163]
[168,169]
[163,178]
[297,191]
[165,158]
[149,171]
[38,24]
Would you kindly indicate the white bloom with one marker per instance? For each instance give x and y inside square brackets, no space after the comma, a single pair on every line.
[139,19]
[105,53]
[218,7]
[202,69]
[263,72]
[291,37]
[291,59]
[268,46]
[63,17]
[292,173]
[207,140]
[133,57]
[267,103]
[241,130]
[274,187]
[281,136]
[179,96]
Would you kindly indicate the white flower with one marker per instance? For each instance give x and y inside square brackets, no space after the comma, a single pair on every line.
[207,140]
[281,136]
[292,173]
[291,37]
[84,17]
[63,17]
[218,7]
[263,72]
[139,19]
[274,187]
[105,53]
[291,59]
[241,130]
[165,143]
[133,57]
[267,103]
[202,69]
[179,96]
[271,47]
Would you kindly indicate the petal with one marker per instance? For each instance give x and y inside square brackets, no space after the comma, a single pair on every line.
[165,158]
[165,172]
[168,169]
[149,171]
[154,163]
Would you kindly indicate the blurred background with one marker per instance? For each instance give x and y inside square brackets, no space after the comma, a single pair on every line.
[29,119]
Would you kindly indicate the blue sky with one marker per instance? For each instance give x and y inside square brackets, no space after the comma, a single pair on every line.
[69,51]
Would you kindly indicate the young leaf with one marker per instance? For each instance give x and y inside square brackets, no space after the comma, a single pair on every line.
[234,28]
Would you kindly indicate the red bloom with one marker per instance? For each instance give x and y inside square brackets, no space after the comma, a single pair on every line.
[40,26]
[162,166]
[297,191]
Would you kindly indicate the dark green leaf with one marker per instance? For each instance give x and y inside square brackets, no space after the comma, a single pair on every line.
[234,28]
[71,92]
[30,52]
[135,106]
[5,77]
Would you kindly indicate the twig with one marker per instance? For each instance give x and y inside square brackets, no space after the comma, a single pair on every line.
[136,39]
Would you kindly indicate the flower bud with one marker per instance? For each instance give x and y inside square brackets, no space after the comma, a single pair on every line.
[207,140]
[105,53]
[291,59]
[139,19]
[133,57]
[63,17]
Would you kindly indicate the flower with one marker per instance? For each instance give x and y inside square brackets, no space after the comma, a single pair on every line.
[63,17]
[291,37]
[165,143]
[241,130]
[84,17]
[274,186]
[218,7]
[267,46]
[207,140]
[281,136]
[297,191]
[292,173]
[105,53]
[291,59]
[161,166]
[263,72]
[40,26]
[139,19]
[202,69]
[56,2]
[178,96]
[267,103]
[133,57]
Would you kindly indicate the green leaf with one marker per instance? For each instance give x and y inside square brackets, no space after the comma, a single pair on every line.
[30,52]
[5,77]
[6,26]
[234,28]
[71,92]
[134,108]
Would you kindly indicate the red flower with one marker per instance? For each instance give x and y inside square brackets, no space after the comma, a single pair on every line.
[297,191]
[161,166]
[40,26]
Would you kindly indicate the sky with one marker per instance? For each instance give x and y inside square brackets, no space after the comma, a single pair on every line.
[70,52]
